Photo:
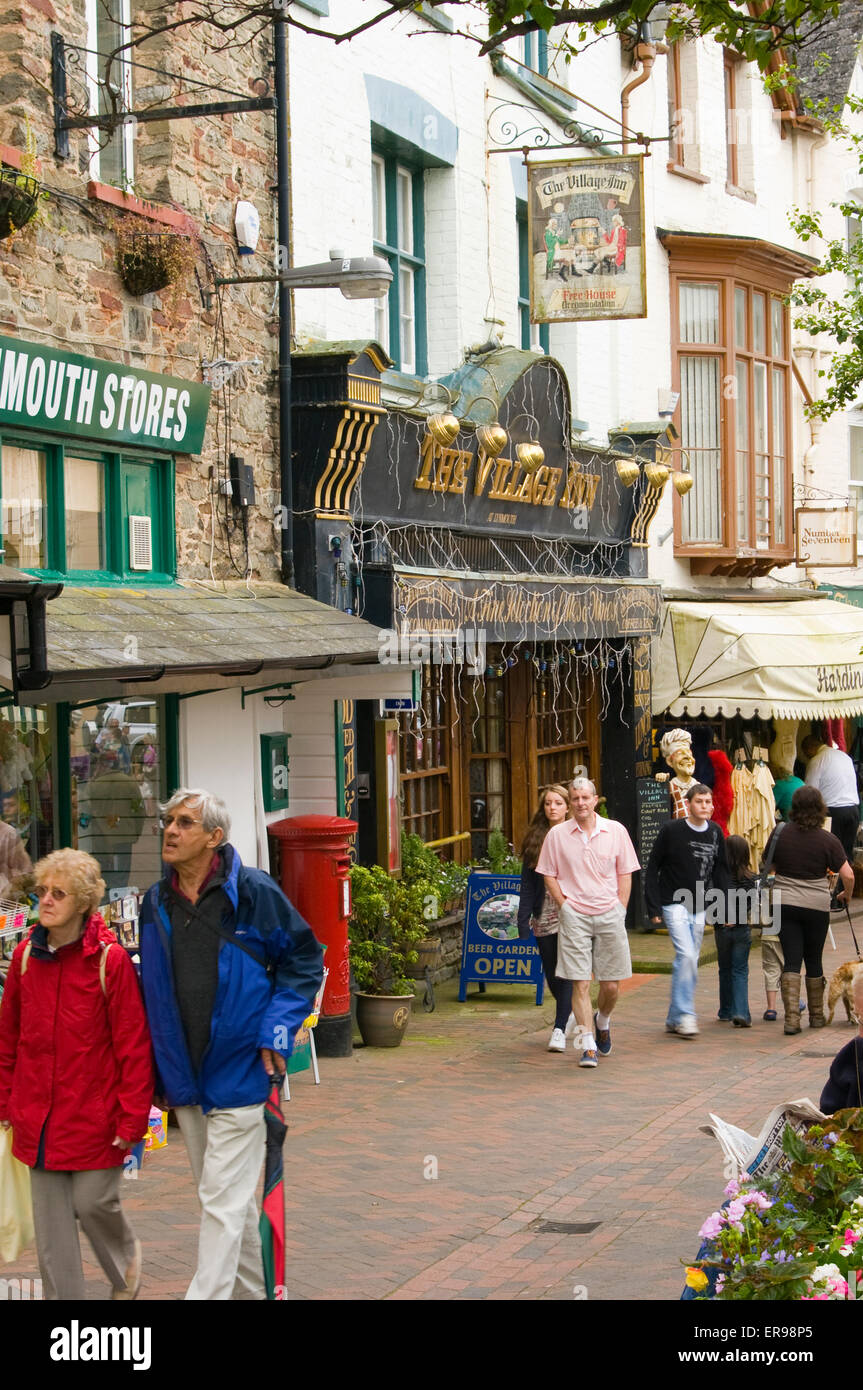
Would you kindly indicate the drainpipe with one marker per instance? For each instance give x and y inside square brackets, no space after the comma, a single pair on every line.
[645,53]
[286,481]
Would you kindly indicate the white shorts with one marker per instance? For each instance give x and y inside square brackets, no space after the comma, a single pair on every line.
[595,945]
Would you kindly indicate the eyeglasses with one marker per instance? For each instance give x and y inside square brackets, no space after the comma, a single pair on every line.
[43,891]
[181,822]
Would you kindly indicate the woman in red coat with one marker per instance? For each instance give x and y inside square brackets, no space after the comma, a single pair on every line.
[76,1077]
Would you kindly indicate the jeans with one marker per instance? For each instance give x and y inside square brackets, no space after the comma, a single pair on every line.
[732,949]
[686,930]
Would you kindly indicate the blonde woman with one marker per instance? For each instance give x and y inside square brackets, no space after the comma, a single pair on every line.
[76,1078]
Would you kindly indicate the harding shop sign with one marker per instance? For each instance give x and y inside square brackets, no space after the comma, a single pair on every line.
[64,393]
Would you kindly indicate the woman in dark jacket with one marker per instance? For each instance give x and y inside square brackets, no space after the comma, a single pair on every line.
[537,912]
[804,854]
[76,1076]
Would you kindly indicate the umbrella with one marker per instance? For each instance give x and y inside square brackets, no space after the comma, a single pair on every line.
[272,1223]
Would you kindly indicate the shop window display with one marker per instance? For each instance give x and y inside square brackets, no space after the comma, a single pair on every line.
[115,758]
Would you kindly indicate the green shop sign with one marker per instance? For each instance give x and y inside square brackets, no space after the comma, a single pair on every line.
[44,389]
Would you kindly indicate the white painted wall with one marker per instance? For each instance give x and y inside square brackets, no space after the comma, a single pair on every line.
[220,747]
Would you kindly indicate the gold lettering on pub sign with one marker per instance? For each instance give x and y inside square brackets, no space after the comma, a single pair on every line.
[502,480]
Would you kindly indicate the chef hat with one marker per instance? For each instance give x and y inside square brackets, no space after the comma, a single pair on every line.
[674,741]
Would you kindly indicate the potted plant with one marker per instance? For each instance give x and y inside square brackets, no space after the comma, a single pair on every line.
[386,924]
[152,258]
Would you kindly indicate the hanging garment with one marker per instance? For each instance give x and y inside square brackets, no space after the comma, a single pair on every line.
[741,820]
[723,795]
[764,811]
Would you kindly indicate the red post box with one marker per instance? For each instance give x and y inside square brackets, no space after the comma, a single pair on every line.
[315,875]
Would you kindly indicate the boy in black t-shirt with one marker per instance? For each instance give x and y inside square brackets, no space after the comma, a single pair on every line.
[686,861]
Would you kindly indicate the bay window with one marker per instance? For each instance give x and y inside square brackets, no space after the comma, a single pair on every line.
[731,345]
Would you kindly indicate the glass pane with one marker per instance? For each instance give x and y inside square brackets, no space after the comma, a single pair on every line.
[85,513]
[406,319]
[742,383]
[759,323]
[740,335]
[699,313]
[777,314]
[699,418]
[382,322]
[762,461]
[779,452]
[379,201]
[24,507]
[116,751]
[26,798]
[405,211]
[114,149]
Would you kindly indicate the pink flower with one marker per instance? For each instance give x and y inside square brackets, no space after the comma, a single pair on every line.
[736,1210]
[759,1200]
[733,1188]
[712,1226]
[720,1283]
[851,1236]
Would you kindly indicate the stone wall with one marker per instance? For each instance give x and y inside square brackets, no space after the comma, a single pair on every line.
[59,282]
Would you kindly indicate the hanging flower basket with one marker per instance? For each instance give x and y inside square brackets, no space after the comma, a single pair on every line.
[149,261]
[19,199]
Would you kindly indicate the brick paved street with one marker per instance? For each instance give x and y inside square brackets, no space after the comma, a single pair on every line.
[520,1137]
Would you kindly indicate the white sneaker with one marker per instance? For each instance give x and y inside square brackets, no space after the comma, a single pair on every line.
[571,1026]
[687,1027]
[557,1041]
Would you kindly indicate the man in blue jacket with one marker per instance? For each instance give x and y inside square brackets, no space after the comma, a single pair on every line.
[230,971]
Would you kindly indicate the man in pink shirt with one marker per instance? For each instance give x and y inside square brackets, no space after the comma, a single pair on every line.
[588,863]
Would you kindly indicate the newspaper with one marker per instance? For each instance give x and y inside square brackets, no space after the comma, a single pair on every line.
[761,1156]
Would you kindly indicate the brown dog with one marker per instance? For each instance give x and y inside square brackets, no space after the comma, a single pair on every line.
[842,986]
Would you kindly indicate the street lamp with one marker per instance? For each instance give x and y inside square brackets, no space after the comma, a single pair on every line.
[358,277]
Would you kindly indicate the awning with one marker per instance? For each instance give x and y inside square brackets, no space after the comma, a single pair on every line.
[180,638]
[794,660]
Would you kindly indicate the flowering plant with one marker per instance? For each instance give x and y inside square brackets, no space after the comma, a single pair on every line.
[797,1235]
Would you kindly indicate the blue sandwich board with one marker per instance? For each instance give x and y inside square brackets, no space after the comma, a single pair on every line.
[492,950]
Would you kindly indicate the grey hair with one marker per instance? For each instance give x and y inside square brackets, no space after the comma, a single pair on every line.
[579,783]
[214,812]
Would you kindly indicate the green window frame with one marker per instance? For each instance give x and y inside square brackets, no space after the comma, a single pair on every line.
[532,335]
[399,236]
[122,475]
[536,52]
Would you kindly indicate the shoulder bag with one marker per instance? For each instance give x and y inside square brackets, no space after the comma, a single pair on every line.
[763,883]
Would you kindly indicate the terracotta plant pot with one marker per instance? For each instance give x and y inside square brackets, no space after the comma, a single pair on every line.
[19,199]
[383,1018]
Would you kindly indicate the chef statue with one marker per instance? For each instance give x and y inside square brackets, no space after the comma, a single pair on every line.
[676,749]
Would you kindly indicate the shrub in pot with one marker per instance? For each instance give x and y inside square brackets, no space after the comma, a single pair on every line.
[386,924]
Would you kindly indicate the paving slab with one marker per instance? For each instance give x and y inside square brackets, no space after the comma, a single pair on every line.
[515,1136]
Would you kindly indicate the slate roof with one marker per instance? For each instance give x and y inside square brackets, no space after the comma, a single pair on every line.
[839,39]
[125,628]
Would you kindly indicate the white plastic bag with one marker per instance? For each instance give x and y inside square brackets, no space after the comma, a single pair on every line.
[16,1206]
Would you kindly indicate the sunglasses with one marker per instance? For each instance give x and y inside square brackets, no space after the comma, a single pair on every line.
[58,894]
[181,822]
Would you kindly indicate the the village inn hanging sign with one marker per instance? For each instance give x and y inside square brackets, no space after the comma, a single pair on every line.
[44,389]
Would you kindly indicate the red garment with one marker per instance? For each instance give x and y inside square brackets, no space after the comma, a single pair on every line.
[73,1060]
[723,792]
